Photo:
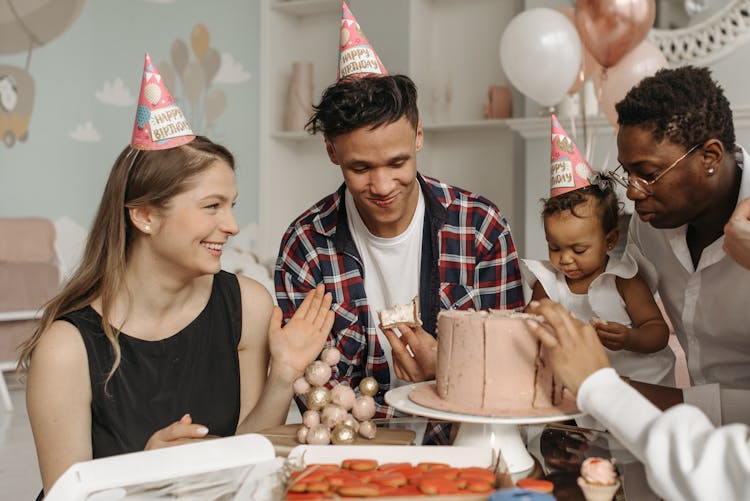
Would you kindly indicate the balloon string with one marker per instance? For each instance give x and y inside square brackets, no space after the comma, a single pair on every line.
[572,119]
[591,147]
[584,120]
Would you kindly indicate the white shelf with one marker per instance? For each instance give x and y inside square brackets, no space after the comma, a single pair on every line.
[466,126]
[304,8]
[539,127]
[434,127]
[294,136]
[12,316]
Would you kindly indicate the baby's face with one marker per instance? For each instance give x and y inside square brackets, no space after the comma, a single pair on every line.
[577,243]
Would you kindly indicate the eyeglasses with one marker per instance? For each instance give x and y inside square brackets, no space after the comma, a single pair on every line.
[621,177]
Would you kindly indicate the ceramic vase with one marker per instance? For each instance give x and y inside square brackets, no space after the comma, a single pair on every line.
[498,103]
[299,97]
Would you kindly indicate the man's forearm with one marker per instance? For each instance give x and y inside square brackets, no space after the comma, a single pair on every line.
[662,397]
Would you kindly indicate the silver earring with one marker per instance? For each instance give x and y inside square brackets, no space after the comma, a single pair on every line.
[147,227]
[710,171]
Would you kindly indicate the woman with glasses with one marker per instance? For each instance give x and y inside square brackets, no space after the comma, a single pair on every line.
[682,169]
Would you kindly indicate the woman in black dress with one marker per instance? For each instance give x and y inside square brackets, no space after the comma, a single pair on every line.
[149,344]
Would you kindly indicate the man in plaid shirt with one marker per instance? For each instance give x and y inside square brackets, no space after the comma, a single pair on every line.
[389,234]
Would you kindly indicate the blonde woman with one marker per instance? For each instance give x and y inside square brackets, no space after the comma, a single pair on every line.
[150,344]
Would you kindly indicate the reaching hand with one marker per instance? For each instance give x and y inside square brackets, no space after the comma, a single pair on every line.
[423,364]
[300,341]
[613,335]
[574,347]
[737,234]
[178,433]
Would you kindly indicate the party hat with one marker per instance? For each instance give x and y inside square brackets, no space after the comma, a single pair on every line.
[159,122]
[568,170]
[357,58]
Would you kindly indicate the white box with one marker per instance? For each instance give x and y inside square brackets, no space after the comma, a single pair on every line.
[107,478]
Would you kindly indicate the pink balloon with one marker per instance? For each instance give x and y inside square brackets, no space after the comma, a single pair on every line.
[589,66]
[613,83]
[611,28]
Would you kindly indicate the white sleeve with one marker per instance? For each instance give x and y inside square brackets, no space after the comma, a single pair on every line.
[684,455]
[721,405]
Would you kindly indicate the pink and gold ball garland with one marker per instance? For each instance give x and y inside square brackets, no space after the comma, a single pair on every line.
[337,415]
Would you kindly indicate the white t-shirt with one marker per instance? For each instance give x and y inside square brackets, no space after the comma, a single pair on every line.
[391,274]
[708,306]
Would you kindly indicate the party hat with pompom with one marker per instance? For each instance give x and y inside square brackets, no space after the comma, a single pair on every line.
[569,170]
[159,122]
[357,58]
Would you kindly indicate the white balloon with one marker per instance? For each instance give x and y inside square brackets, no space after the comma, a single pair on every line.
[540,52]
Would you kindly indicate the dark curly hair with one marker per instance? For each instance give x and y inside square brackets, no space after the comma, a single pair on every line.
[373,101]
[608,207]
[684,105]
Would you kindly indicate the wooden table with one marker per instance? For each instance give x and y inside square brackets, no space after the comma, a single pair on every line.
[284,438]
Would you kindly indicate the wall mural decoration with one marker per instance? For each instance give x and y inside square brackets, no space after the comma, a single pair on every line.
[193,78]
[26,25]
[189,78]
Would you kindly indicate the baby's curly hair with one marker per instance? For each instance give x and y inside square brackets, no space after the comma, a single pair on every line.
[373,101]
[684,105]
[607,205]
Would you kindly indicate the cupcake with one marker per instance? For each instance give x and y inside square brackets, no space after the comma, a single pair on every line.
[598,479]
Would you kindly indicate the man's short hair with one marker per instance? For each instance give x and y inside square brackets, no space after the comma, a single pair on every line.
[353,103]
[684,105]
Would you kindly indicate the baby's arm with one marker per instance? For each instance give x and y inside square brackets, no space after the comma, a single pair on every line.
[537,293]
[649,333]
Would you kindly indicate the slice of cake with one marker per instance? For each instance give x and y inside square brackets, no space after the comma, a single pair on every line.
[401,314]
[489,359]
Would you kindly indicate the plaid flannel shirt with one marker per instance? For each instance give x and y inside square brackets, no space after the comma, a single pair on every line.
[474,265]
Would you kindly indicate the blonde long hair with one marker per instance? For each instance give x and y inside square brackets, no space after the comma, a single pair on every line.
[138,179]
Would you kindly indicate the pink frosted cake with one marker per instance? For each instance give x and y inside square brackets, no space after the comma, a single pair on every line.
[489,363]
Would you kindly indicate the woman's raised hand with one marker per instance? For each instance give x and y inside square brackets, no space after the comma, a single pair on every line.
[300,341]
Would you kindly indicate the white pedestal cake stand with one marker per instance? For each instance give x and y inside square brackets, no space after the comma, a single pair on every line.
[500,433]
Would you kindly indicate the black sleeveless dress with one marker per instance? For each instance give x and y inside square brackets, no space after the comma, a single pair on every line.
[194,371]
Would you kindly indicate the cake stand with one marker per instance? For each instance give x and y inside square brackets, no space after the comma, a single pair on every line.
[500,433]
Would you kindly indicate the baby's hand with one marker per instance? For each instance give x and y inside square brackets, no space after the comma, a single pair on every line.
[612,335]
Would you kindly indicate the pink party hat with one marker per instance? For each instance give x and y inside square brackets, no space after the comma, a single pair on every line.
[159,122]
[568,170]
[357,58]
